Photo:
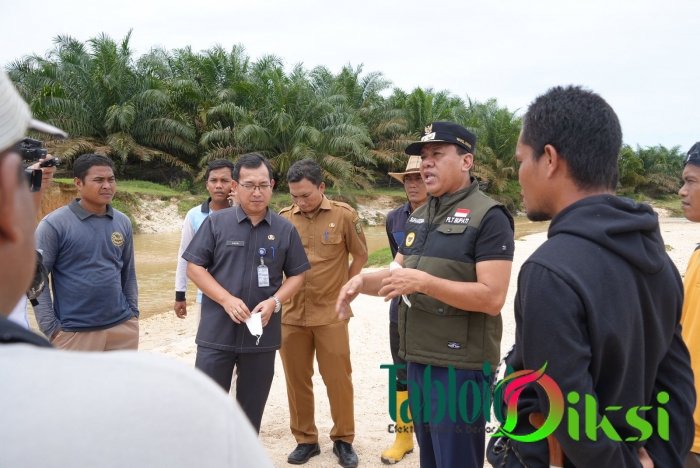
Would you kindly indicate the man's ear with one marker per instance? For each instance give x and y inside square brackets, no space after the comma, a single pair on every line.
[468,162]
[555,163]
[78,183]
[272,183]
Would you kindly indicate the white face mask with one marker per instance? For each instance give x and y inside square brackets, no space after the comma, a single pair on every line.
[393,266]
[254,324]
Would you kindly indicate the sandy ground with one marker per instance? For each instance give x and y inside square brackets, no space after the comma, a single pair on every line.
[165,334]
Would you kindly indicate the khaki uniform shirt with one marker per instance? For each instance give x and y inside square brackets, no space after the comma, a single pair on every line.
[328,237]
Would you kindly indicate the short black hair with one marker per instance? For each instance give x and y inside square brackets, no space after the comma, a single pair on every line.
[305,169]
[218,164]
[583,128]
[251,161]
[461,151]
[84,162]
[693,156]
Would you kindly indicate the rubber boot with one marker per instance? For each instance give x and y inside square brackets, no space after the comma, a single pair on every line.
[403,444]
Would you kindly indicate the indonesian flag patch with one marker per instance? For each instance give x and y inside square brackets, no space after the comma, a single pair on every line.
[461,216]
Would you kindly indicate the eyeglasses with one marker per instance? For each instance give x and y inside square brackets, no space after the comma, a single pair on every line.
[252,187]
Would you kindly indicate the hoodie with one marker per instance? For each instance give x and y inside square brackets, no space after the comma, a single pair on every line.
[600,303]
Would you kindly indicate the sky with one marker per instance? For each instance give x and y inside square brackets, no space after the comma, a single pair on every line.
[642,56]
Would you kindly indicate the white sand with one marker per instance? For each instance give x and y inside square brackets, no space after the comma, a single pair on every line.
[165,334]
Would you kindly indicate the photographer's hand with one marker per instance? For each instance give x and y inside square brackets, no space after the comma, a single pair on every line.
[47,174]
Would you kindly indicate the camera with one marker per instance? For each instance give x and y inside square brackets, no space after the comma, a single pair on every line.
[32,150]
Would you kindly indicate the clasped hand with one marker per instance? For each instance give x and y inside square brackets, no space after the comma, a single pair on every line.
[239,312]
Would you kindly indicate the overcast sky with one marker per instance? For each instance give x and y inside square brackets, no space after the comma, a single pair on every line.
[642,56]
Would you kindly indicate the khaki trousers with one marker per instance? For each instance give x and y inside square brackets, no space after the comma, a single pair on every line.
[122,336]
[332,346]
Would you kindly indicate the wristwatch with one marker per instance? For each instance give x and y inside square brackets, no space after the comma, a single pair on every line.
[278,304]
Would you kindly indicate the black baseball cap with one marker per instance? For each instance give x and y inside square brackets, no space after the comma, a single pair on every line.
[693,155]
[444,132]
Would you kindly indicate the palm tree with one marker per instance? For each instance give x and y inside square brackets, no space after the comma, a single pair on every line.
[661,169]
[94,92]
[497,130]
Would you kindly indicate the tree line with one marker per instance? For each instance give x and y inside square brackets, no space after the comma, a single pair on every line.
[183,108]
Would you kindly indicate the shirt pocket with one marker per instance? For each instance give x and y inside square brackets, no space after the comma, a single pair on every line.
[331,245]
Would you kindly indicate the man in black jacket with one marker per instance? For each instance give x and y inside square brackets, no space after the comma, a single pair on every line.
[598,303]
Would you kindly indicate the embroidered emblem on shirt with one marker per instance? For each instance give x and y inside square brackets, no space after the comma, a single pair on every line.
[410,238]
[331,225]
[358,226]
[117,239]
[416,220]
[454,345]
[271,237]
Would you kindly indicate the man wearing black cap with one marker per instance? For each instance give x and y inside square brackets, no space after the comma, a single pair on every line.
[456,257]
[690,321]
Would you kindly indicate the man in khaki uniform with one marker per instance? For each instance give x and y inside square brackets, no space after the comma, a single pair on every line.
[330,231]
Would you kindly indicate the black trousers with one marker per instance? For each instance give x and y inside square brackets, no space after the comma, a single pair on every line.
[394,344]
[254,372]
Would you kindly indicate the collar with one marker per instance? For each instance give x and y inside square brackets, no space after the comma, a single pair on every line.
[325,205]
[459,194]
[84,214]
[241,216]
[205,206]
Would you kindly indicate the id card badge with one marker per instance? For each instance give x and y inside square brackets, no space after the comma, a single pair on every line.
[263,276]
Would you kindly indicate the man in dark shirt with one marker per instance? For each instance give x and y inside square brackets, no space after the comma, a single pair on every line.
[416,194]
[456,259]
[238,259]
[598,305]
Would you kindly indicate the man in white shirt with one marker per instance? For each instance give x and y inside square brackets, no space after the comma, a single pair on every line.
[219,182]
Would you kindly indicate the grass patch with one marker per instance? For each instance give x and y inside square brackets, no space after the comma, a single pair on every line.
[381,257]
[143,187]
[670,203]
[126,203]
[186,204]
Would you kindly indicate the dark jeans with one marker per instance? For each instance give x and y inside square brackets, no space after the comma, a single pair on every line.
[254,372]
[394,344]
[445,443]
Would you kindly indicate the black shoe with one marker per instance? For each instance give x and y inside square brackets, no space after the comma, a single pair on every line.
[347,458]
[302,453]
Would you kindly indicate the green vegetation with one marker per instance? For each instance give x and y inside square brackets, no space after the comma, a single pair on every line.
[162,116]
[670,203]
[380,258]
[147,188]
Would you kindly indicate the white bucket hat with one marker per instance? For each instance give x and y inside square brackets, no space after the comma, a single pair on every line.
[15,117]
